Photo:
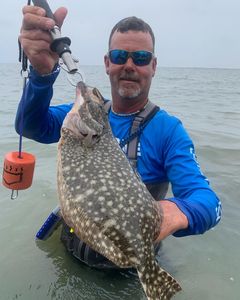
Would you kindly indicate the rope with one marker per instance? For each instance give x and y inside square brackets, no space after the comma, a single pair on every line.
[132,136]
[24,72]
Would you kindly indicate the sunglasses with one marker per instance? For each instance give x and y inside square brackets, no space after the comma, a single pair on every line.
[120,57]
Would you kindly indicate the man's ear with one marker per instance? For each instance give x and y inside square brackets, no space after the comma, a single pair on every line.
[154,65]
[106,62]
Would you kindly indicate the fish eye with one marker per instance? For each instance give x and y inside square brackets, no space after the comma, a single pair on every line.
[97,93]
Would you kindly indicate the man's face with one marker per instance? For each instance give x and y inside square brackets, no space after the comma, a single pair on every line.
[129,81]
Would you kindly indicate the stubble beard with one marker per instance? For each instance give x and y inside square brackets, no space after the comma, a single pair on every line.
[129,93]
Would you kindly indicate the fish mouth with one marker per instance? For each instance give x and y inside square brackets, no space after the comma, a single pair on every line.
[94,136]
[83,134]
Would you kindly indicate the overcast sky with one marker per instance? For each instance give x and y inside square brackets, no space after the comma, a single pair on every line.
[189,33]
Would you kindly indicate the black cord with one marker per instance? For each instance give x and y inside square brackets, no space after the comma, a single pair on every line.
[21,55]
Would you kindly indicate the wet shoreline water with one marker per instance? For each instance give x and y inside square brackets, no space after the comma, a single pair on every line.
[207,266]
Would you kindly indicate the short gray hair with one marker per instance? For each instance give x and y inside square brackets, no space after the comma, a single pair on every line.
[132,23]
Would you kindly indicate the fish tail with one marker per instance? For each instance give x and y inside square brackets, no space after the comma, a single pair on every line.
[157,283]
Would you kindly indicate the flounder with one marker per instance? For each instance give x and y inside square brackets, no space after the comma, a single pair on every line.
[103,199]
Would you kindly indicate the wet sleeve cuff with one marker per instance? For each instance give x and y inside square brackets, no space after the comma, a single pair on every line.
[201,217]
[45,78]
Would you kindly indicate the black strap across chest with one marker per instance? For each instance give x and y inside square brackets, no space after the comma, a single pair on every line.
[140,121]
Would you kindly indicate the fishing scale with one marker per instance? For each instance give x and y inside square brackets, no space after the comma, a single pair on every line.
[18,165]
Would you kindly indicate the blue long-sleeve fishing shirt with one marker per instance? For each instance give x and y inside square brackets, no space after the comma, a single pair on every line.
[165,152]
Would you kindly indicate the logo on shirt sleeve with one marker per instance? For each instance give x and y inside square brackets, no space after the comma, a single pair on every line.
[218,212]
[197,163]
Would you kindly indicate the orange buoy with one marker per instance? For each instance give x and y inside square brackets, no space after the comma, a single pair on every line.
[18,170]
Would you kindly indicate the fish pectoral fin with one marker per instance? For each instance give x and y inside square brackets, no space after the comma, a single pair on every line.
[156,282]
[71,123]
[75,126]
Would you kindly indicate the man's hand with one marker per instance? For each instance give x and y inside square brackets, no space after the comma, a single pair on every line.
[36,39]
[172,219]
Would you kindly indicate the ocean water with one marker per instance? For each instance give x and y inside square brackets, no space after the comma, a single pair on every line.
[207,266]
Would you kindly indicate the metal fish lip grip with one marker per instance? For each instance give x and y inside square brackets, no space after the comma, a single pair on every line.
[60,44]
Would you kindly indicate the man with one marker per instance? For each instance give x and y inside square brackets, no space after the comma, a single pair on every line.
[166,150]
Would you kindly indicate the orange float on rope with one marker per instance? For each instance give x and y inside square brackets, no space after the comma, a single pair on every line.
[18,170]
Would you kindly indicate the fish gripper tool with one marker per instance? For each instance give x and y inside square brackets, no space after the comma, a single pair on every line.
[60,44]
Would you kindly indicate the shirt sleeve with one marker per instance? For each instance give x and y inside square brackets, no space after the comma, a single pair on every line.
[35,118]
[192,192]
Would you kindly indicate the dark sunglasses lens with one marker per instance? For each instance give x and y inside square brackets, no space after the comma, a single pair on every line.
[118,57]
[141,58]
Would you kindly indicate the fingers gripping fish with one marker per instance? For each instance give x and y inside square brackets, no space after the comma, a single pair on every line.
[103,199]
